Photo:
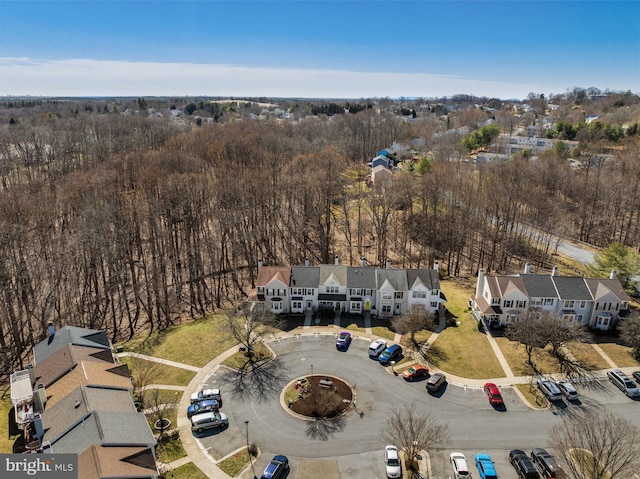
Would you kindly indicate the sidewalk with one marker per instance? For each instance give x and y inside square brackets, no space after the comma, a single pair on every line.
[208,464]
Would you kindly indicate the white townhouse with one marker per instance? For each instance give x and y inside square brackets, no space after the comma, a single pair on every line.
[303,290]
[361,289]
[503,299]
[332,287]
[272,288]
[424,289]
[392,288]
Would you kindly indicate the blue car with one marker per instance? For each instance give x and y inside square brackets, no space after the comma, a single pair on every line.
[276,468]
[392,353]
[208,405]
[344,340]
[485,467]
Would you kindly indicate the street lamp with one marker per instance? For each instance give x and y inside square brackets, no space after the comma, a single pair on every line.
[246,423]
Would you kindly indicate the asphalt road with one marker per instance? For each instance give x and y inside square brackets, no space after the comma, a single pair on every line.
[351,446]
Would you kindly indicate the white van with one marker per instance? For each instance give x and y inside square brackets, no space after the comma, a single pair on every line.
[624,383]
[208,420]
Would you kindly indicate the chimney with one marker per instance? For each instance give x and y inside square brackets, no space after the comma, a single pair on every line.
[364,262]
[388,265]
[336,260]
[554,272]
[527,268]
[613,274]
[51,328]
[480,283]
[259,263]
[436,265]
[306,262]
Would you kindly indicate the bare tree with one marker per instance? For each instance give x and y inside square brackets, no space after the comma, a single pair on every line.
[630,334]
[159,406]
[414,320]
[526,332]
[558,332]
[601,445]
[413,431]
[249,325]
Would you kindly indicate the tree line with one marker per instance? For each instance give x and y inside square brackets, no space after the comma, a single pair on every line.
[126,222]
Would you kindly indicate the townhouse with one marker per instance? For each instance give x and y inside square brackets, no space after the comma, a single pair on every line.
[383,292]
[594,302]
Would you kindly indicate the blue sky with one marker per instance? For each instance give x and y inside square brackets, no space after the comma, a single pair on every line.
[344,49]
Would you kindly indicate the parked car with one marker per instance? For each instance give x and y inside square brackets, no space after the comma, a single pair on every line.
[623,382]
[523,465]
[568,390]
[546,463]
[376,347]
[207,394]
[435,382]
[549,389]
[459,465]
[392,462]
[276,467]
[207,405]
[416,371]
[636,376]
[485,466]
[208,420]
[344,340]
[493,393]
[392,353]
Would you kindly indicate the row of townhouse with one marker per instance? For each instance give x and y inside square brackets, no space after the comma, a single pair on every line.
[383,292]
[593,302]
[76,398]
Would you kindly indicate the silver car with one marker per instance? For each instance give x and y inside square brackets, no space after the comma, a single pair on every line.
[568,391]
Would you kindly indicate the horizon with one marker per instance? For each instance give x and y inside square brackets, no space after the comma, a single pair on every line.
[317,49]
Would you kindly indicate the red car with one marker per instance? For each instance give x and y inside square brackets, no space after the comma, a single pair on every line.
[493,393]
[415,372]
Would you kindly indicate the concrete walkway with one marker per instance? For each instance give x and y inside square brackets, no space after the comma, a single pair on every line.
[208,464]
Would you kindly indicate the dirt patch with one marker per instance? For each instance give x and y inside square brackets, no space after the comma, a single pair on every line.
[322,397]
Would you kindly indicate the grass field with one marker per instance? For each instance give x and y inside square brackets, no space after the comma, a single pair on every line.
[188,471]
[177,343]
[6,444]
[170,449]
[239,359]
[157,373]
[619,354]
[463,350]
[234,464]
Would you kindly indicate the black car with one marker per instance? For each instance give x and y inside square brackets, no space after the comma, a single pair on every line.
[275,469]
[435,382]
[546,464]
[523,465]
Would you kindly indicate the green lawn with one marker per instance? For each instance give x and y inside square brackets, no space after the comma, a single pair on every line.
[178,343]
[234,464]
[516,356]
[188,471]
[170,449]
[619,354]
[6,444]
[463,350]
[157,373]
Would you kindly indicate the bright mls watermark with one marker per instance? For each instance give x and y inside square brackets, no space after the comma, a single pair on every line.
[51,466]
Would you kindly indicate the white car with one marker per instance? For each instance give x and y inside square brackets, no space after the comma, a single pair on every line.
[459,464]
[376,347]
[392,462]
[568,391]
[207,394]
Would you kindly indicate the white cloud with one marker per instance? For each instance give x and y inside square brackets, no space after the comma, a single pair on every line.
[82,77]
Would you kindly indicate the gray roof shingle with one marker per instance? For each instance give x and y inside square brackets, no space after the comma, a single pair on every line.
[572,288]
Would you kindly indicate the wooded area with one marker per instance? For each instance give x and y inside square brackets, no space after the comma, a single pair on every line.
[120,219]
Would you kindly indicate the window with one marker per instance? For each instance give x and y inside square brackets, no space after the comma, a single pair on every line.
[583,304]
[276,306]
[269,292]
[332,289]
[434,292]
[386,308]
[568,304]
[508,303]
[260,289]
[521,304]
[536,302]
[355,305]
[624,305]
[597,305]
[399,294]
[495,301]
[419,294]
[434,304]
[296,304]
[282,292]
[386,296]
[355,292]
[579,318]
[548,301]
